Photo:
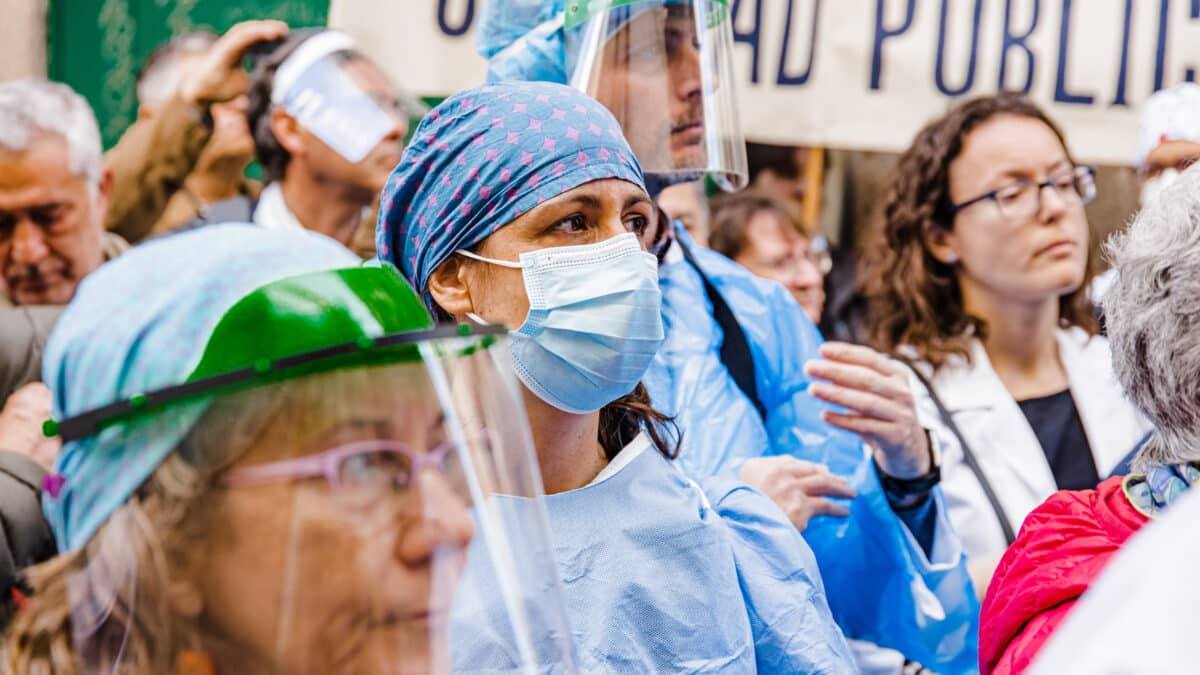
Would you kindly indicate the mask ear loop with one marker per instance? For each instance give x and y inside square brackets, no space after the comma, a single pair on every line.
[491,261]
[478,320]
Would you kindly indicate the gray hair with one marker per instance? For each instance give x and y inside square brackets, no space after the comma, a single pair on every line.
[1154,323]
[32,108]
[161,72]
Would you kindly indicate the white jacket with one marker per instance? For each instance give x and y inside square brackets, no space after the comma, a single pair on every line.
[1005,445]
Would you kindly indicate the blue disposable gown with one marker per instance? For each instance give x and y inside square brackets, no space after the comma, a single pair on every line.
[882,587]
[660,575]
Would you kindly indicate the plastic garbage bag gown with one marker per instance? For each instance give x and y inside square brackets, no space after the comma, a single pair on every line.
[658,577]
[881,586]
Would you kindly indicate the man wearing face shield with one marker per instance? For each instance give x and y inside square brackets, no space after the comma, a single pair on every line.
[733,368]
[274,464]
[328,128]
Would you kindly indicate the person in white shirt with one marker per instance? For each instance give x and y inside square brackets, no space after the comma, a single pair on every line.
[981,282]
[328,129]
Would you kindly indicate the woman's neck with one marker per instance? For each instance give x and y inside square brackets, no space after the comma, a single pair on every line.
[320,209]
[1021,343]
[568,446]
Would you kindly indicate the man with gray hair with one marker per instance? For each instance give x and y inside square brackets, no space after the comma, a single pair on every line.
[53,192]
[53,197]
[1154,335]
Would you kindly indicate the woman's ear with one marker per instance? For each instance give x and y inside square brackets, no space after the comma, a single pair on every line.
[941,245]
[287,131]
[448,287]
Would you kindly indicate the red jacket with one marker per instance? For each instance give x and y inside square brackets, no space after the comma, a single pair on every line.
[1062,547]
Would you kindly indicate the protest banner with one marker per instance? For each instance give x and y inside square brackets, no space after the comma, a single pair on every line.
[867,74]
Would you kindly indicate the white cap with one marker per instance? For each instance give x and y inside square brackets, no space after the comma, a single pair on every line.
[1171,114]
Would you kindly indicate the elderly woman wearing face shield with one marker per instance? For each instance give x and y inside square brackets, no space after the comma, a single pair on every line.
[731,371]
[521,205]
[274,466]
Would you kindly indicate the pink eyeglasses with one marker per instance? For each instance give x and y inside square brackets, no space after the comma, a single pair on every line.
[357,467]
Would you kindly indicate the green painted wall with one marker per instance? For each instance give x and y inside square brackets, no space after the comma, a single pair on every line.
[96,46]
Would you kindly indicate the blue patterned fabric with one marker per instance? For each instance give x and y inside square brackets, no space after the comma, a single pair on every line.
[1161,485]
[486,156]
[141,323]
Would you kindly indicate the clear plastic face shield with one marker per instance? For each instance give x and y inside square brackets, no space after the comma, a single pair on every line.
[664,69]
[340,96]
[336,522]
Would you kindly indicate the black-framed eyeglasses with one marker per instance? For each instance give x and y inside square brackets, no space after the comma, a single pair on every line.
[1022,198]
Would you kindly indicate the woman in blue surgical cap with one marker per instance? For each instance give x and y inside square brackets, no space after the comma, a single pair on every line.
[521,205]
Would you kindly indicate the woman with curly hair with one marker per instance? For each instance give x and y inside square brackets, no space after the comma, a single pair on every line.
[981,281]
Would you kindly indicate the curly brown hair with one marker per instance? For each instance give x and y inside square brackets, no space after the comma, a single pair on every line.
[914,299]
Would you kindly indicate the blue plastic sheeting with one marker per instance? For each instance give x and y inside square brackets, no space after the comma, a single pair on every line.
[881,586]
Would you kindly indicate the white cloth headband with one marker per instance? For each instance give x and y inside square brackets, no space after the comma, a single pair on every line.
[309,52]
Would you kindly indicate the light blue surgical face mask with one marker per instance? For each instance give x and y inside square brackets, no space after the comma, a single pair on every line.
[594,323]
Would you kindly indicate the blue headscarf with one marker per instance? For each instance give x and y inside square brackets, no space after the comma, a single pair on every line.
[141,323]
[484,157]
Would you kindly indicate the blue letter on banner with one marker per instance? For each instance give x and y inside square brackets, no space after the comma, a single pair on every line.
[1190,74]
[882,34]
[1061,94]
[461,29]
[797,80]
[1012,41]
[938,75]
[750,38]
[1123,73]
[1160,58]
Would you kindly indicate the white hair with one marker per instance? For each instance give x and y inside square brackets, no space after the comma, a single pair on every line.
[1152,312]
[162,72]
[32,108]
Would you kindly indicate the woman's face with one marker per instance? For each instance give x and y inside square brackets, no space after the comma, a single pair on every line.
[589,214]
[1007,259]
[777,251]
[301,579]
